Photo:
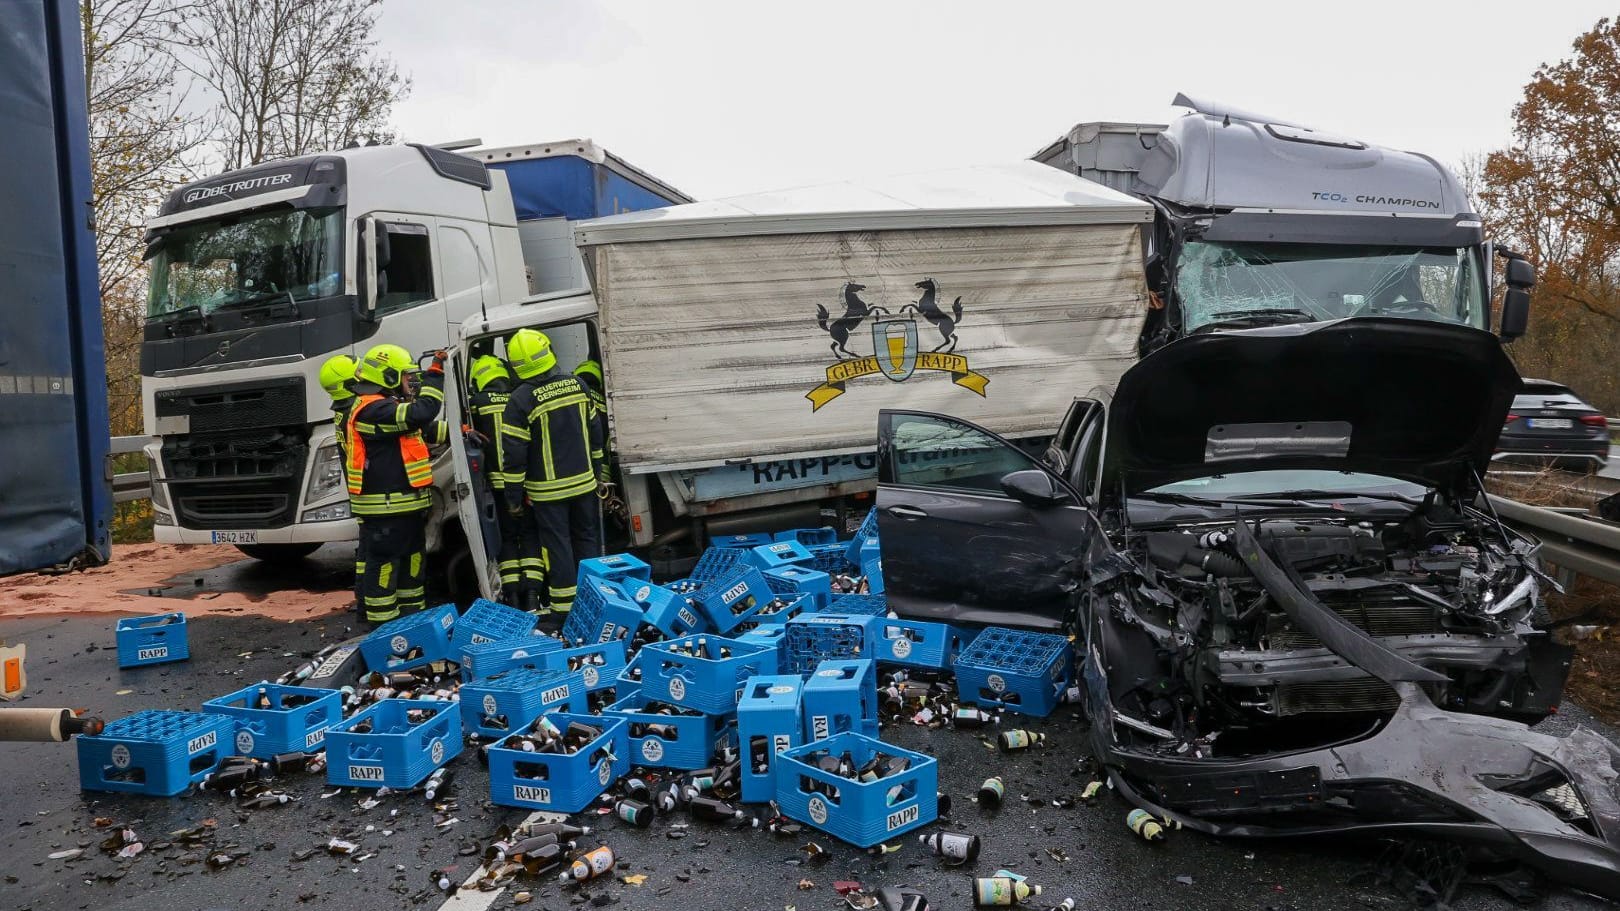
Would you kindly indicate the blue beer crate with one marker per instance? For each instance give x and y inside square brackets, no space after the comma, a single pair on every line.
[487,621]
[382,746]
[732,598]
[801,580]
[865,535]
[813,638]
[716,561]
[598,663]
[152,640]
[831,559]
[872,571]
[603,611]
[826,534]
[424,635]
[686,740]
[777,612]
[743,541]
[862,814]
[839,698]
[778,553]
[767,725]
[670,610]
[920,643]
[295,719]
[561,783]
[1015,670]
[156,753]
[484,659]
[867,605]
[709,680]
[497,706]
[771,637]
[621,568]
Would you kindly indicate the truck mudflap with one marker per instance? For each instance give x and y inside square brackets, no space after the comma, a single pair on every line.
[1548,802]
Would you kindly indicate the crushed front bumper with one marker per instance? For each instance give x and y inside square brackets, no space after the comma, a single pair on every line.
[1427,771]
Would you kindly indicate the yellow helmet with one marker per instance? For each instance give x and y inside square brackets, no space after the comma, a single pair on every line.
[591,369]
[385,365]
[487,369]
[335,376]
[529,352]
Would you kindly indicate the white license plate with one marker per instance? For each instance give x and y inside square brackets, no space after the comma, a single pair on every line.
[1551,423]
[236,537]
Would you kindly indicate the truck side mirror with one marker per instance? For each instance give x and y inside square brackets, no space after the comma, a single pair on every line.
[1515,310]
[375,253]
[1520,274]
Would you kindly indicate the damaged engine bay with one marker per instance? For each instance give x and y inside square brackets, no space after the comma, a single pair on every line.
[1272,676]
[1449,590]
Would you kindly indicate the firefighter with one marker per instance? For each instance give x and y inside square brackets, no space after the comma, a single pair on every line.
[547,443]
[337,375]
[519,559]
[390,476]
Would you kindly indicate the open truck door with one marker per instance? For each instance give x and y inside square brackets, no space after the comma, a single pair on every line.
[469,493]
[974,529]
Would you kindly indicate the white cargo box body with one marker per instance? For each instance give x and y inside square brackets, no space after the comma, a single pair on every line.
[776,326]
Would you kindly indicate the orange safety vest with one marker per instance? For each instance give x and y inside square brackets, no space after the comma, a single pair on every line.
[413,451]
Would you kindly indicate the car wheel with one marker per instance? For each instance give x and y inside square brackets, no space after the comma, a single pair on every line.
[278,554]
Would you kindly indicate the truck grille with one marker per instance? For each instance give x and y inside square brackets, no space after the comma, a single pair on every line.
[251,479]
[1369,695]
[238,406]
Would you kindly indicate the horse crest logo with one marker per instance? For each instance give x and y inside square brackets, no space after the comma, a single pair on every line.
[896,348]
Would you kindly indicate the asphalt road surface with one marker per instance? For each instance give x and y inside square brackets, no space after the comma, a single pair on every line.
[1084,852]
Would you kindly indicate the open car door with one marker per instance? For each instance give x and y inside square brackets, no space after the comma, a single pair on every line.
[973,529]
[469,494]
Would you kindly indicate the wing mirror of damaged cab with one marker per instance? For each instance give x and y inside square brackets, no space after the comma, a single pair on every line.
[1033,487]
[1521,277]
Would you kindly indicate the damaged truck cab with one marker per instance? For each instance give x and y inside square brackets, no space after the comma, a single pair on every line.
[1295,612]
[1259,221]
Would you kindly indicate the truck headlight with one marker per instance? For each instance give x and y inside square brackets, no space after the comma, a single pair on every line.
[159,517]
[327,513]
[327,477]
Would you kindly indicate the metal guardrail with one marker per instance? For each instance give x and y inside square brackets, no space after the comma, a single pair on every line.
[130,485]
[1614,424]
[1572,541]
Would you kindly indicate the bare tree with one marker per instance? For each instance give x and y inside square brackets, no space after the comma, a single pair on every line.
[288,77]
[141,145]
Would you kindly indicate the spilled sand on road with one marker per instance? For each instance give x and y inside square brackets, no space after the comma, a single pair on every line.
[116,588]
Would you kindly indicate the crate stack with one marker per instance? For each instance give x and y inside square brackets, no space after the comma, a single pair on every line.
[766,659]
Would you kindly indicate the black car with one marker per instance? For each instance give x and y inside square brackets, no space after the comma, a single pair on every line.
[1291,616]
[1549,423]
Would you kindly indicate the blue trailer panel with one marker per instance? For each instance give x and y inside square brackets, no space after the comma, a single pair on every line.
[55,496]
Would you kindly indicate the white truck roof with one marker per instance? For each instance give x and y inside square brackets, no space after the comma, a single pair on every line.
[1016,194]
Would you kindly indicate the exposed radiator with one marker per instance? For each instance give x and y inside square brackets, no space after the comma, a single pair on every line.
[1368,695]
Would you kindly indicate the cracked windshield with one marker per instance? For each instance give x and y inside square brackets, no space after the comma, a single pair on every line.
[287,255]
[1253,284]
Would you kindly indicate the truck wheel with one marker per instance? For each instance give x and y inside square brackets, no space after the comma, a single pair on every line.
[279,554]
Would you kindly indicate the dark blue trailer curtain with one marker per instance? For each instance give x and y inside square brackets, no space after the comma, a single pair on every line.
[55,500]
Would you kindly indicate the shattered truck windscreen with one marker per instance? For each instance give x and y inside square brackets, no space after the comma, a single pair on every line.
[1238,282]
[281,254]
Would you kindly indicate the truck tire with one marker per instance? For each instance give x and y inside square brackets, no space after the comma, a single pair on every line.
[279,554]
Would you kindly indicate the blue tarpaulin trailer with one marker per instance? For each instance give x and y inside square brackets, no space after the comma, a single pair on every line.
[55,493]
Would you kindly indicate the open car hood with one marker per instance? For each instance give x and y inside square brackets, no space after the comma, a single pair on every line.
[1414,400]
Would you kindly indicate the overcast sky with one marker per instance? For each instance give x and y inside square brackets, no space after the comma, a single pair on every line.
[724,98]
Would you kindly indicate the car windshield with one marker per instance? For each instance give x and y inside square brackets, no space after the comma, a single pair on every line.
[1248,284]
[282,254]
[1281,482]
